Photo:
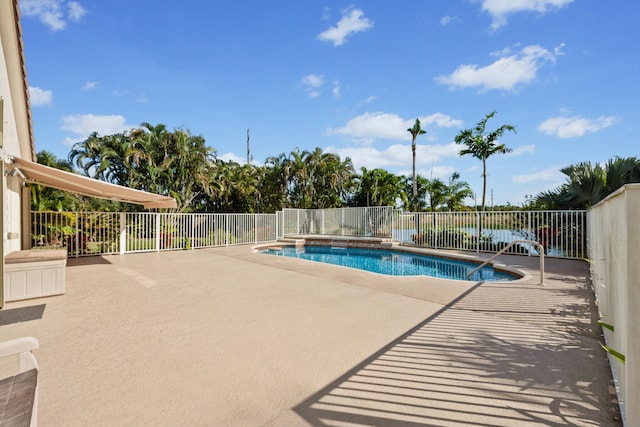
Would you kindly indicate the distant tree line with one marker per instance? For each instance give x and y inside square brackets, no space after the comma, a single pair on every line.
[179,164]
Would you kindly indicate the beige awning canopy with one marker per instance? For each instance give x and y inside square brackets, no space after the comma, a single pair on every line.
[74,183]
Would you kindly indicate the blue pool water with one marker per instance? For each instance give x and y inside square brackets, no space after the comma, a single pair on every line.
[392,263]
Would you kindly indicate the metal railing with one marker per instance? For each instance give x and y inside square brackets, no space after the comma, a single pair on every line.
[560,233]
[94,233]
[81,233]
[503,250]
[370,221]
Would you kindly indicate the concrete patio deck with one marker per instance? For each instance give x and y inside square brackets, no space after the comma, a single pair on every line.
[225,336]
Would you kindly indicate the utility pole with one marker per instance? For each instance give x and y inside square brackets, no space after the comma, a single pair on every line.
[492,199]
[248,148]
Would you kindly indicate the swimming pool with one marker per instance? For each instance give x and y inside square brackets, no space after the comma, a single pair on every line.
[394,263]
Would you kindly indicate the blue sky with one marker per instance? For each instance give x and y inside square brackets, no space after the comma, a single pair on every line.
[349,77]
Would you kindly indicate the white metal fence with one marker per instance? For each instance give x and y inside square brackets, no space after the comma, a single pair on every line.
[371,221]
[92,233]
[561,233]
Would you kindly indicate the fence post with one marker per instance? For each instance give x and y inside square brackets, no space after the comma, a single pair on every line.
[255,229]
[367,220]
[478,231]
[77,235]
[393,222]
[157,231]
[226,229]
[123,234]
[192,237]
[435,229]
[530,229]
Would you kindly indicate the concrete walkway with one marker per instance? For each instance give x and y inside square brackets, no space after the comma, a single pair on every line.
[225,336]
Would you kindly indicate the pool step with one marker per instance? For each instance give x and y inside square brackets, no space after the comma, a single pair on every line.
[340,241]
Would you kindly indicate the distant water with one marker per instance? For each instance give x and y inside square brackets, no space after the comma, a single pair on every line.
[497,235]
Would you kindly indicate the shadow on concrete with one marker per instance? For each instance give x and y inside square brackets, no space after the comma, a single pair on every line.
[87,260]
[498,355]
[22,314]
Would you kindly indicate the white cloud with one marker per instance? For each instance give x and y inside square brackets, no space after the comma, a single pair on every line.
[441,120]
[442,172]
[39,97]
[525,149]
[501,9]
[76,11]
[506,73]
[368,127]
[312,83]
[551,174]
[352,21]
[368,100]
[326,13]
[430,172]
[574,126]
[397,155]
[82,125]
[231,157]
[557,51]
[336,89]
[52,12]
[313,80]
[140,97]
[446,20]
[371,126]
[89,85]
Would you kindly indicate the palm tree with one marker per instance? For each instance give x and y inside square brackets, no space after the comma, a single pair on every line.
[152,159]
[421,185]
[415,131]
[275,185]
[437,190]
[299,180]
[48,198]
[621,171]
[322,180]
[456,191]
[588,184]
[482,145]
[376,187]
[224,174]
[145,155]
